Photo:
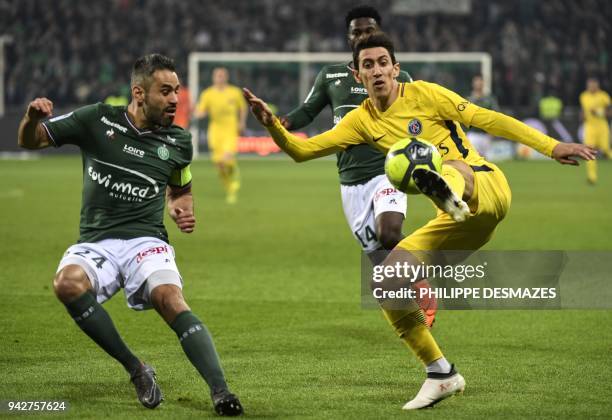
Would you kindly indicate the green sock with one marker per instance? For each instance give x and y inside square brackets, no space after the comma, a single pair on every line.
[98,325]
[200,349]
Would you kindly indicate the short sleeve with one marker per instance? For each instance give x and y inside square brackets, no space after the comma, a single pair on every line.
[71,128]
[180,177]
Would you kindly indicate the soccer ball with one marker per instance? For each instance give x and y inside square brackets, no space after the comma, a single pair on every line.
[407,155]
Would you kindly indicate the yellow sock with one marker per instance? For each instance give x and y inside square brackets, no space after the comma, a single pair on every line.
[411,328]
[225,178]
[454,179]
[591,167]
[234,176]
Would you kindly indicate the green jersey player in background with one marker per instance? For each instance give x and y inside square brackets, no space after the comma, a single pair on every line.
[134,162]
[373,208]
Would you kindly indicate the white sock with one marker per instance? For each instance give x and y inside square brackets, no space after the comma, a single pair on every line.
[439,366]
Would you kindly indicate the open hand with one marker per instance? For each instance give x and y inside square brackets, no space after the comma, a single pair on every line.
[565,153]
[259,108]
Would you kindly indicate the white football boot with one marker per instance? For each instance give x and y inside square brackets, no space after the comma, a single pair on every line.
[435,187]
[437,387]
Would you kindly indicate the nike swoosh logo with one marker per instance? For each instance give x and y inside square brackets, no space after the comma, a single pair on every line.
[375,139]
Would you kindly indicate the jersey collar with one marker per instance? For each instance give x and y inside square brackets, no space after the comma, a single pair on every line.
[140,133]
[400,95]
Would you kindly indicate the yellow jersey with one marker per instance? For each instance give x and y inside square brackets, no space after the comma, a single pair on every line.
[425,110]
[594,106]
[222,106]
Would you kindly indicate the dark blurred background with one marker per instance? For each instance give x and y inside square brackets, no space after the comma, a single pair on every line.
[81,51]
[78,52]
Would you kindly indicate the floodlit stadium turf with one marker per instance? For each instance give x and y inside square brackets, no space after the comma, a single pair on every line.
[276,279]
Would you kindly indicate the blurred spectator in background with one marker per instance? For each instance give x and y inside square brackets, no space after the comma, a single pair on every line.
[118,100]
[550,109]
[550,106]
[121,98]
[596,109]
[480,139]
[69,49]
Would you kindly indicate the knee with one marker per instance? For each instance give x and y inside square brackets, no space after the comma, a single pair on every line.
[168,301]
[390,236]
[70,283]
[468,175]
[389,229]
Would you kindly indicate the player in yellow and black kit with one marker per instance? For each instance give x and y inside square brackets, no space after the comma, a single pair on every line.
[595,105]
[226,110]
[374,209]
[472,194]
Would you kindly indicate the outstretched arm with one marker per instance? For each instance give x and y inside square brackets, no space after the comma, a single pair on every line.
[451,106]
[31,133]
[505,126]
[300,149]
[312,106]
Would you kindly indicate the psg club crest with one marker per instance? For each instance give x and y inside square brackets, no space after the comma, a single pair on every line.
[415,127]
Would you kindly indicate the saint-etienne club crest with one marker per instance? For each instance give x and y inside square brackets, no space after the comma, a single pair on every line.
[163,153]
[415,127]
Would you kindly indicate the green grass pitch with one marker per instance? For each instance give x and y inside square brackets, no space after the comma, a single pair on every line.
[276,279]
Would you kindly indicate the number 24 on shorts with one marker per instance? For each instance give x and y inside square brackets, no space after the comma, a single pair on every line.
[98,260]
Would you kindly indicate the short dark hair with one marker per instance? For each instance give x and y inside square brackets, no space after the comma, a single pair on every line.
[145,66]
[362,12]
[377,39]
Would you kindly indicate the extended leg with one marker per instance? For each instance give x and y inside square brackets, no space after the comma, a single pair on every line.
[409,322]
[590,139]
[450,189]
[389,233]
[73,288]
[195,339]
[233,177]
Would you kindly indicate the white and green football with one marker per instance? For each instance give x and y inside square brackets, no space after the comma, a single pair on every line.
[407,155]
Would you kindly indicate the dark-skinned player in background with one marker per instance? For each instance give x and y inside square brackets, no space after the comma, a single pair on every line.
[374,209]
